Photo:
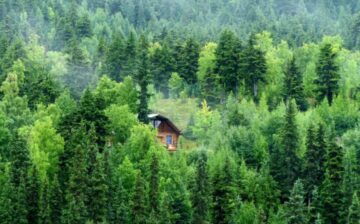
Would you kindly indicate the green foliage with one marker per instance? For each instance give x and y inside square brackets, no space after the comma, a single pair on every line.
[296,208]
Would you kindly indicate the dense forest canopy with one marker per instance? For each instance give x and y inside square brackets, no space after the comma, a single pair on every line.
[265,92]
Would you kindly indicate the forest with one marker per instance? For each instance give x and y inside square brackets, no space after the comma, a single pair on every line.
[266,94]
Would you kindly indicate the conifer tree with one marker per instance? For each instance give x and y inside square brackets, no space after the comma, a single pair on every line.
[44,204]
[286,163]
[75,210]
[20,161]
[293,86]
[154,185]
[55,199]
[227,61]
[98,189]
[190,58]
[327,70]
[162,67]
[143,79]
[20,211]
[296,208]
[200,196]
[139,214]
[331,194]
[33,195]
[115,58]
[354,211]
[223,194]
[253,68]
[314,158]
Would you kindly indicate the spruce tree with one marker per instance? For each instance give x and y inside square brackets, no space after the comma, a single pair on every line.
[223,194]
[286,165]
[20,161]
[162,67]
[143,79]
[115,59]
[20,211]
[33,195]
[293,86]
[354,211]
[314,158]
[190,58]
[154,185]
[327,81]
[44,205]
[55,200]
[331,193]
[200,194]
[98,190]
[227,61]
[139,214]
[253,68]
[75,210]
[296,208]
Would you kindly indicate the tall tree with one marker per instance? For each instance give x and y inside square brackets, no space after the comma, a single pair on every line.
[253,68]
[143,79]
[293,85]
[354,211]
[223,194]
[114,58]
[227,61]
[33,195]
[327,70]
[154,185]
[190,58]
[139,214]
[200,195]
[314,158]
[285,162]
[331,193]
[296,208]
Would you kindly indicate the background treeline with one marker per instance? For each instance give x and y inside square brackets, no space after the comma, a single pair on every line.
[270,118]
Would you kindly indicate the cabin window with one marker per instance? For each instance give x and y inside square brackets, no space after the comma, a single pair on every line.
[169,139]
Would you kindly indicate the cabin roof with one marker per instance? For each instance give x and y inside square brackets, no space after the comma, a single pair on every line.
[163,118]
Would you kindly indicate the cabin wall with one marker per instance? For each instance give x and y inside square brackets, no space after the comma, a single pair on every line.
[165,129]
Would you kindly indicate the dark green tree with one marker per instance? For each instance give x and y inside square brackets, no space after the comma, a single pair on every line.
[354,211]
[228,60]
[138,211]
[44,205]
[286,165]
[143,79]
[162,66]
[327,70]
[253,68]
[296,207]
[293,86]
[55,199]
[114,58]
[331,193]
[154,185]
[314,158]
[33,191]
[189,61]
[223,193]
[200,194]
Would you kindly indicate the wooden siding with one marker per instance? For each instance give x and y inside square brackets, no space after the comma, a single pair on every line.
[164,130]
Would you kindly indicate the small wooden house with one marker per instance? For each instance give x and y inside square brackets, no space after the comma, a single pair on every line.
[167,132]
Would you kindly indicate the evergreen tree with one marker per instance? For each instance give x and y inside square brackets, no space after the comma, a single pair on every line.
[314,158]
[296,208]
[293,86]
[200,196]
[20,161]
[44,205]
[223,194]
[286,163]
[331,194]
[253,68]
[130,54]
[115,58]
[143,79]
[227,61]
[154,185]
[75,210]
[33,195]
[20,211]
[190,58]
[98,189]
[139,214]
[55,199]
[327,70]
[162,67]
[354,211]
